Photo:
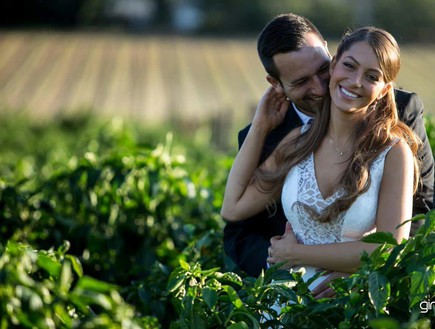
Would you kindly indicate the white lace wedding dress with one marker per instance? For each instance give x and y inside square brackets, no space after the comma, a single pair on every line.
[301,187]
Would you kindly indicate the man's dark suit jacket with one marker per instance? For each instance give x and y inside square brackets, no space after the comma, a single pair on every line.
[246,242]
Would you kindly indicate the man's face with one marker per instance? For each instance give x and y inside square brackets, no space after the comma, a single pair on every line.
[304,74]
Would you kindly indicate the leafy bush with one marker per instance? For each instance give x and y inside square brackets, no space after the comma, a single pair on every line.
[430,130]
[129,210]
[390,290]
[47,289]
[105,226]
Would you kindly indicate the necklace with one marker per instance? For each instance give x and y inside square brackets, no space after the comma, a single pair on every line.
[338,150]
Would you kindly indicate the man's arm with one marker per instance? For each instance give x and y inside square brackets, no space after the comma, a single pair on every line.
[246,242]
[410,109]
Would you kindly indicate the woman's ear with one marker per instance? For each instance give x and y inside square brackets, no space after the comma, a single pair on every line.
[275,83]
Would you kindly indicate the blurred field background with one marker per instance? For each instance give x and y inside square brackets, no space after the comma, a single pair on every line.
[181,62]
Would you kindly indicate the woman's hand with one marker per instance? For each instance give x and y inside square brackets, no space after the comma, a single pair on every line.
[323,289]
[281,248]
[271,110]
[242,198]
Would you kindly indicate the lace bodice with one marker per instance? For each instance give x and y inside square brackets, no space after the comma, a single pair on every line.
[301,187]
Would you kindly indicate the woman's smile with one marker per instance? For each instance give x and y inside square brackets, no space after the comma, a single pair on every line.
[348,93]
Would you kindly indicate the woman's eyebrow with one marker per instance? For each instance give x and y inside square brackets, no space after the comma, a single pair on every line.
[371,69]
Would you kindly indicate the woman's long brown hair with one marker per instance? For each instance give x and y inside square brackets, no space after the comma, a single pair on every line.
[379,128]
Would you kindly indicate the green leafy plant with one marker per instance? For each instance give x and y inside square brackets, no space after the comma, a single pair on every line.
[47,289]
[429,122]
[386,292]
[142,218]
[130,210]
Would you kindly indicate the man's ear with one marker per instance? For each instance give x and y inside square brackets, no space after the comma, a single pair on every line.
[325,43]
[275,83]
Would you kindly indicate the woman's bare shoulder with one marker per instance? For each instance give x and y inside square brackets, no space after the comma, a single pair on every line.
[399,155]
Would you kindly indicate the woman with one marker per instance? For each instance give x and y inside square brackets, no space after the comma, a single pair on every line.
[351,172]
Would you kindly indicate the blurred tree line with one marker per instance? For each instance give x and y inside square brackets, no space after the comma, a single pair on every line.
[408,20]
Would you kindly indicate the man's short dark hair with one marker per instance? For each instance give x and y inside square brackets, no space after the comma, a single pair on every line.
[283,34]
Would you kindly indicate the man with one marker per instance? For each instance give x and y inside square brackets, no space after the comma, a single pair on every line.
[296,59]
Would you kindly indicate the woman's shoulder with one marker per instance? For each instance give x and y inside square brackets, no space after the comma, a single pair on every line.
[398,153]
[400,146]
[393,156]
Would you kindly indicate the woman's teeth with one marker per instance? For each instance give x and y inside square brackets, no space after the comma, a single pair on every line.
[348,93]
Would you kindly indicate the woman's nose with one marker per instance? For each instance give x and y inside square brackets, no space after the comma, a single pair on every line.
[355,80]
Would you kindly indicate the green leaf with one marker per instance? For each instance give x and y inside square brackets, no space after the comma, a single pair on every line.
[197,320]
[419,217]
[239,325]
[62,314]
[184,265]
[421,281]
[66,245]
[260,281]
[379,291]
[424,323]
[380,237]
[66,277]
[254,321]
[53,267]
[233,278]
[429,224]
[86,298]
[428,250]
[384,324]
[77,266]
[394,255]
[210,296]
[210,271]
[88,283]
[176,279]
[324,306]
[234,297]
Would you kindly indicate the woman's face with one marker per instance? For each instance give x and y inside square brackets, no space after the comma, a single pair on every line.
[357,79]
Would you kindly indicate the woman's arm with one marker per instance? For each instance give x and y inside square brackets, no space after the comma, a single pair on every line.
[242,199]
[394,208]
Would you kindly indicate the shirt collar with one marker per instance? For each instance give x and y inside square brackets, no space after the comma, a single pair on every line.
[304,118]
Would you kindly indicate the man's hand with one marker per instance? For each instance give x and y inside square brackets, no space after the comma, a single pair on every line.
[323,290]
[281,246]
[271,110]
